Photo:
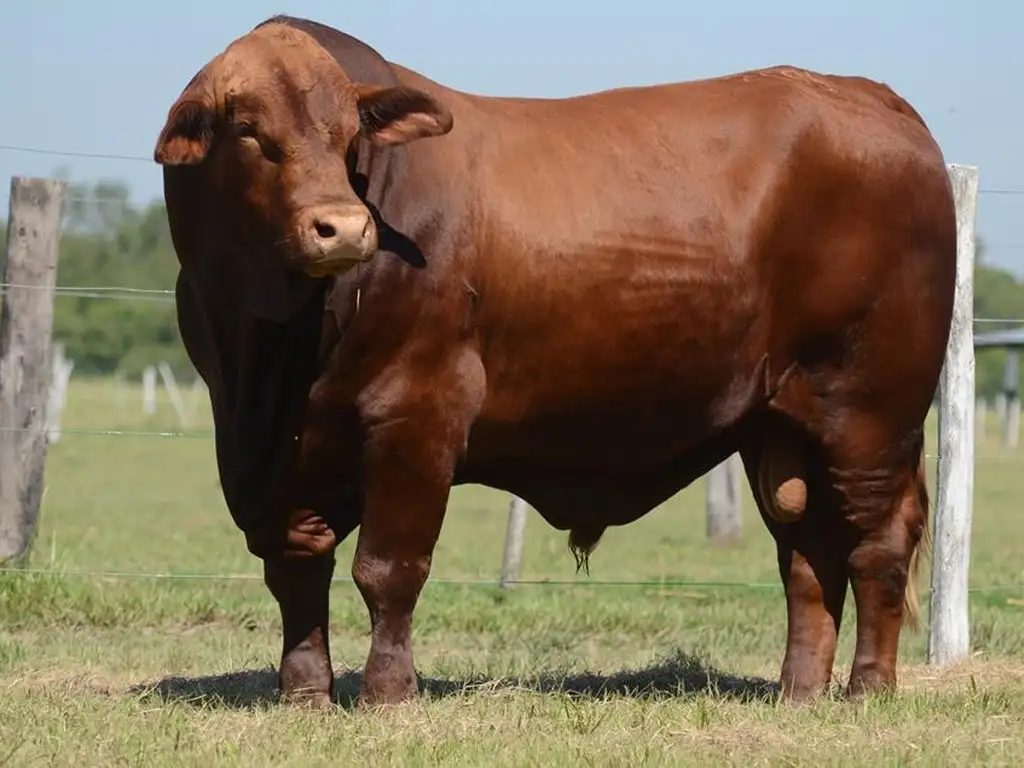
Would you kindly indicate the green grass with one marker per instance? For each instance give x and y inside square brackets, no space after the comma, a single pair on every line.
[115,669]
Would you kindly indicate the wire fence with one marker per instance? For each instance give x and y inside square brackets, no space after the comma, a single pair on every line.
[130,293]
[71,153]
[122,292]
[543,582]
[142,575]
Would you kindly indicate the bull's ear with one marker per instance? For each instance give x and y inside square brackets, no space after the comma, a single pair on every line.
[188,132]
[398,115]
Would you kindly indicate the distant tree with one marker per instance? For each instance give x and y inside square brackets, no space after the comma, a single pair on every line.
[998,295]
[107,242]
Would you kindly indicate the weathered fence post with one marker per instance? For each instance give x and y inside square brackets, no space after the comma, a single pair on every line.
[1012,434]
[723,508]
[512,558]
[949,630]
[26,326]
[171,385]
[149,390]
[60,377]
[1000,408]
[196,393]
[1011,379]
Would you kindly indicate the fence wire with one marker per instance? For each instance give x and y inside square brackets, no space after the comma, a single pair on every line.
[337,579]
[70,153]
[167,295]
[123,292]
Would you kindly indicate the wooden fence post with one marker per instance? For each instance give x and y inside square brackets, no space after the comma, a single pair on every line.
[171,385]
[1011,383]
[1011,434]
[26,326]
[723,507]
[981,420]
[949,630]
[512,558]
[149,390]
[59,379]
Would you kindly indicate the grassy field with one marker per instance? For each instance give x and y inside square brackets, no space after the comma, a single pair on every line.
[120,668]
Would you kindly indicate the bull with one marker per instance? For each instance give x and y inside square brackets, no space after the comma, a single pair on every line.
[392,287]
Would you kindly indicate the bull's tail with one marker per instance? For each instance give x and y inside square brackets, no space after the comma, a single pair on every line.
[911,608]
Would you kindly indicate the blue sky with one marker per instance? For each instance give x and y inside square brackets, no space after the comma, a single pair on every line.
[98,77]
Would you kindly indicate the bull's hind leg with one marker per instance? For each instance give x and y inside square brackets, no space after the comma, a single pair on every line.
[793,500]
[886,507]
[863,518]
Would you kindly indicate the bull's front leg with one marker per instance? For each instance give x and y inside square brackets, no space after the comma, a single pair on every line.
[299,578]
[408,472]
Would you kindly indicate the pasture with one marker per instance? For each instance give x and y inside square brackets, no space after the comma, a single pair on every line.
[103,664]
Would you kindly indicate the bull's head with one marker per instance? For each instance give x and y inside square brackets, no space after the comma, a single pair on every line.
[270,122]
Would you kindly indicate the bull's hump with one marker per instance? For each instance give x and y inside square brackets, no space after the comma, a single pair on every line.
[361,62]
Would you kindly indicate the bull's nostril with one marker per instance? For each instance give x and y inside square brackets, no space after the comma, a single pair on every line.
[366,228]
[325,231]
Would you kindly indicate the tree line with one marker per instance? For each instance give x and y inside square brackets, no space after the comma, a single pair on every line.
[107,241]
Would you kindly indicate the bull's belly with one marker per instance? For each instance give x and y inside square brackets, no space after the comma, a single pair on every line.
[599,474]
[609,453]
[617,436]
[640,394]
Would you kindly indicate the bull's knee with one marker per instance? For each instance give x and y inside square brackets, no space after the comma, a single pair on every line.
[782,478]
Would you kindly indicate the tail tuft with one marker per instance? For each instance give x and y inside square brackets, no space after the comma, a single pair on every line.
[911,608]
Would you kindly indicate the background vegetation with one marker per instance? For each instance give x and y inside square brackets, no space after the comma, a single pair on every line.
[109,242]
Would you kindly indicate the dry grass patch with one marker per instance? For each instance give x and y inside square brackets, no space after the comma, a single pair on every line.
[675,712]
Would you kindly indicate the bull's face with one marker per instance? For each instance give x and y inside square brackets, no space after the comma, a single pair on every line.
[270,121]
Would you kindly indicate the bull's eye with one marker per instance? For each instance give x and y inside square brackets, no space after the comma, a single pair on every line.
[245,130]
[247,133]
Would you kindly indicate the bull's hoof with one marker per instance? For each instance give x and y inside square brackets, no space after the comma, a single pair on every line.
[869,681]
[387,692]
[794,692]
[305,676]
[803,682]
[307,699]
[306,680]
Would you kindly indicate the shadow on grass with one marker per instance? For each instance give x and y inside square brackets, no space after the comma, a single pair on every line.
[679,676]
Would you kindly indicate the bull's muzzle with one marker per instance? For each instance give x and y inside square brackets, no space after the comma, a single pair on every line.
[335,238]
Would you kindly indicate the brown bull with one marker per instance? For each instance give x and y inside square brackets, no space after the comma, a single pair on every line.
[392,287]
